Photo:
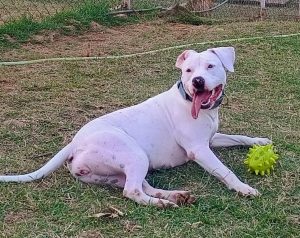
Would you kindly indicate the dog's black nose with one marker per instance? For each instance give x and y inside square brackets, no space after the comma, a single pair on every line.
[198,83]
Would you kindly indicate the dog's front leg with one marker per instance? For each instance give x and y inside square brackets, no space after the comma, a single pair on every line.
[208,160]
[223,140]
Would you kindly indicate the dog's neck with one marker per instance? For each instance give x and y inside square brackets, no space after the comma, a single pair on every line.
[187,97]
[182,91]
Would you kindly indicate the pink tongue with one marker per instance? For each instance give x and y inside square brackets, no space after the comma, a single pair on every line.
[198,99]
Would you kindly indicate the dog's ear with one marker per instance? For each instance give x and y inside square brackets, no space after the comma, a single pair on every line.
[182,57]
[226,55]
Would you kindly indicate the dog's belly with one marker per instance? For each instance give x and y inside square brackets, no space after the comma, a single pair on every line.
[148,126]
[171,156]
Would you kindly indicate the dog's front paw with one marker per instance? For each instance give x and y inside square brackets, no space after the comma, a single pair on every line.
[261,141]
[246,190]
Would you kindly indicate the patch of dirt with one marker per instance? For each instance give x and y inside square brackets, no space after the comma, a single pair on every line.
[90,234]
[294,219]
[131,226]
[7,85]
[14,123]
[128,39]
[101,41]
[15,217]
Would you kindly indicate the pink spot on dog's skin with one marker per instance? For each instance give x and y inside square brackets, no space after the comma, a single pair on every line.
[114,181]
[191,156]
[104,180]
[158,195]
[82,172]
[137,192]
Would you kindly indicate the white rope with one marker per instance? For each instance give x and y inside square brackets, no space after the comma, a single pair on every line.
[37,61]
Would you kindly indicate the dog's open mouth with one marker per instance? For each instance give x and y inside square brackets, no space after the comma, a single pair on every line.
[204,99]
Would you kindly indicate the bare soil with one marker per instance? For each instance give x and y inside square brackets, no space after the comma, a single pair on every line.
[101,41]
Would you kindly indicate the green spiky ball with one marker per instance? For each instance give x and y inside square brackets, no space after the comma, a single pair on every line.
[261,159]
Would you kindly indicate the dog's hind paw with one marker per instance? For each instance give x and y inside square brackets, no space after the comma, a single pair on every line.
[184,198]
[162,203]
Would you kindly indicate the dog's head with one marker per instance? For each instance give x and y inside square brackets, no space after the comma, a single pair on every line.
[204,75]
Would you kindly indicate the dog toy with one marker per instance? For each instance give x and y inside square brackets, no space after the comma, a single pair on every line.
[261,159]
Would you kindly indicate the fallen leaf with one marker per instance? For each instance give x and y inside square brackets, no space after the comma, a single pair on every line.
[117,211]
[101,214]
[110,212]
[195,224]
[131,226]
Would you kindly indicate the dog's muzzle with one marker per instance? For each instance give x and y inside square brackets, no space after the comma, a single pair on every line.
[202,99]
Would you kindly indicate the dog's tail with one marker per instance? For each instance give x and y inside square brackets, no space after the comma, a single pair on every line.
[52,165]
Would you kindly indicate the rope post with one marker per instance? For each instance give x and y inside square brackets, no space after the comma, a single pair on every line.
[298,17]
[127,4]
[263,9]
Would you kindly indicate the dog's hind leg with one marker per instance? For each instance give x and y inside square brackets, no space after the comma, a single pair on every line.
[135,174]
[107,154]
[178,197]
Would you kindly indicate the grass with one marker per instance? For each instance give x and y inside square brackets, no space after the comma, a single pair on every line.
[79,18]
[42,106]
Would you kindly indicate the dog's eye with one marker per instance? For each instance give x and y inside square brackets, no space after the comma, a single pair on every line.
[210,66]
[188,70]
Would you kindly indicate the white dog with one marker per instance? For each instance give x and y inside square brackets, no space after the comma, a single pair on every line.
[165,131]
